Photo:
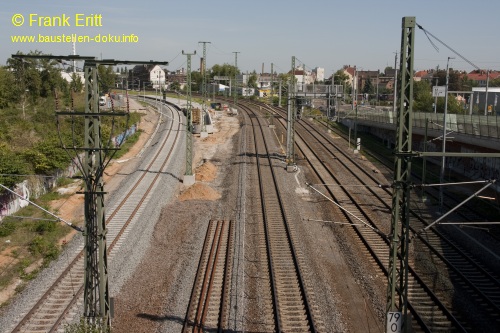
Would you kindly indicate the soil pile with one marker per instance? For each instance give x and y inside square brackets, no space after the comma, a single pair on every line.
[199,191]
[206,172]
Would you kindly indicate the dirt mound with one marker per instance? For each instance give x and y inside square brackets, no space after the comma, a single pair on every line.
[199,191]
[206,172]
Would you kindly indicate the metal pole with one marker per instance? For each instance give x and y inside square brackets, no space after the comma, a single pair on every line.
[189,120]
[395,82]
[397,315]
[235,76]
[443,161]
[424,160]
[486,95]
[436,99]
[204,85]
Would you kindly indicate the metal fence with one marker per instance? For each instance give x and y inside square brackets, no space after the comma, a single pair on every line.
[475,125]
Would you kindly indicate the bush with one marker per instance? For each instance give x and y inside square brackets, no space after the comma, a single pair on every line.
[41,246]
[7,228]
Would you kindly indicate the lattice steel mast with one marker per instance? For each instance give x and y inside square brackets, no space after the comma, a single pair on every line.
[96,156]
[397,289]
[188,175]
[235,92]
[204,86]
[292,113]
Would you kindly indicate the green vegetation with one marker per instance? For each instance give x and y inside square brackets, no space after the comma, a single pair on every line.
[31,143]
[30,243]
[32,137]
[84,327]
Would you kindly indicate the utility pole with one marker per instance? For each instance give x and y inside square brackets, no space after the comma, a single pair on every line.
[205,93]
[436,98]
[189,177]
[443,159]
[397,316]
[96,156]
[272,83]
[290,130]
[235,76]
[486,93]
[395,82]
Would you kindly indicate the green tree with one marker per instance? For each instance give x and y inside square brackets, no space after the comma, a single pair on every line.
[76,84]
[495,82]
[7,90]
[51,78]
[368,87]
[422,96]
[252,80]
[26,78]
[342,79]
[175,86]
[11,164]
[106,78]
[224,70]
[196,81]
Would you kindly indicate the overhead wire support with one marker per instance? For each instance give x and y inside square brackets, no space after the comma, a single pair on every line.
[189,122]
[291,115]
[235,92]
[204,86]
[96,157]
[397,287]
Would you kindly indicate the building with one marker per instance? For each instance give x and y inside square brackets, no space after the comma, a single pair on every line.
[146,76]
[319,74]
[481,76]
[302,76]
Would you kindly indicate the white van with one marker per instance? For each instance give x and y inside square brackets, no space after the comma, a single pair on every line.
[102,101]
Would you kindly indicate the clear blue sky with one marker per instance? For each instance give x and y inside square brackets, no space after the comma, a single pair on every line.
[322,33]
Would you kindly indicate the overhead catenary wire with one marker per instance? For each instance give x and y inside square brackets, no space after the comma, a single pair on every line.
[43,209]
[427,33]
[349,213]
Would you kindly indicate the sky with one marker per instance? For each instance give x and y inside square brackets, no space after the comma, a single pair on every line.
[319,33]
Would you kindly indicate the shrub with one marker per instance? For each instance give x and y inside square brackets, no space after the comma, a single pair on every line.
[7,228]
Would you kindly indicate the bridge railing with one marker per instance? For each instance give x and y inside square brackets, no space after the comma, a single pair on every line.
[475,125]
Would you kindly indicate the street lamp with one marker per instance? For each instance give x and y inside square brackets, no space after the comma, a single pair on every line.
[443,161]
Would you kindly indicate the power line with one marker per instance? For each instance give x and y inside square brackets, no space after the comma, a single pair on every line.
[427,33]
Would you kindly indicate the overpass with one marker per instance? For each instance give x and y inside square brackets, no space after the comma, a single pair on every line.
[465,134]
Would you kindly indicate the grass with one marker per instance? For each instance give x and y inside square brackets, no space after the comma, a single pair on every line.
[29,241]
[125,147]
[31,238]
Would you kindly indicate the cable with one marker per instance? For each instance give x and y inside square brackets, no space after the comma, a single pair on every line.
[427,33]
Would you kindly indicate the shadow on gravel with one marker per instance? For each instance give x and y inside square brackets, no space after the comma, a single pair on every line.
[160,318]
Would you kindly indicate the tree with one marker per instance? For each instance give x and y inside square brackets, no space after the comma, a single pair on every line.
[252,80]
[342,79]
[495,82]
[224,70]
[368,87]
[422,96]
[76,84]
[26,78]
[196,81]
[7,92]
[11,164]
[106,77]
[50,77]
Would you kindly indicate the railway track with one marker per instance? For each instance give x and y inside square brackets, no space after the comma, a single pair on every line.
[471,211]
[61,301]
[429,313]
[289,305]
[208,305]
